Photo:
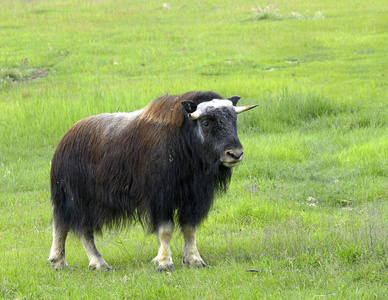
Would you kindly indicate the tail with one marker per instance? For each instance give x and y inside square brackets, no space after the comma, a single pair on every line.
[65,211]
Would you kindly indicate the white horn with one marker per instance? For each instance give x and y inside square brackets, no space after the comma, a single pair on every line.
[195,115]
[240,109]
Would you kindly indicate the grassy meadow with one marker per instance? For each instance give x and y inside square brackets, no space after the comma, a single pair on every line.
[307,210]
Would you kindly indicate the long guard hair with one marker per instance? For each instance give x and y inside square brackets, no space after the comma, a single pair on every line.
[110,170]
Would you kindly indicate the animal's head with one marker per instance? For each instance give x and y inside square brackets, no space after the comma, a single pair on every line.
[216,129]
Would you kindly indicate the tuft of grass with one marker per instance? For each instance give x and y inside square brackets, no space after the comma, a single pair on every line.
[22,73]
[271,13]
[292,110]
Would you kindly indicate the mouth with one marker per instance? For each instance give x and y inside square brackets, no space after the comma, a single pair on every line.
[231,163]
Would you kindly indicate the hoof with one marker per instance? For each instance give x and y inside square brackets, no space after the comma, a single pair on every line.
[163,265]
[196,262]
[99,265]
[58,264]
[165,268]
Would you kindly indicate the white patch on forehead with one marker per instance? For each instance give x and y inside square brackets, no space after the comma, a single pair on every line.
[214,104]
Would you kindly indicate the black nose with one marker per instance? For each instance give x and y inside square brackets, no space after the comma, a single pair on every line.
[235,153]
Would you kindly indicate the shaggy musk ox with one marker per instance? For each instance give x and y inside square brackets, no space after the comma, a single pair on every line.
[160,165]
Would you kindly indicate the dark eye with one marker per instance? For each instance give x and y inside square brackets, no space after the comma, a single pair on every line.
[205,123]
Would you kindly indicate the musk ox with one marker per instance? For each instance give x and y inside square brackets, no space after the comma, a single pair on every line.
[160,166]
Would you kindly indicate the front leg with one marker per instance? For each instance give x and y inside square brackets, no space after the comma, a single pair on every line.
[164,257]
[191,255]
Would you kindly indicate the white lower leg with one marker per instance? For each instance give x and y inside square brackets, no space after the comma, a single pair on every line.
[96,260]
[164,257]
[191,255]
[57,253]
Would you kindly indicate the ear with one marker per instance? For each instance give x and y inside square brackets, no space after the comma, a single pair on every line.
[189,106]
[234,99]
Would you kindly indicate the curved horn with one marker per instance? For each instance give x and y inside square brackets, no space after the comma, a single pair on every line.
[195,115]
[240,109]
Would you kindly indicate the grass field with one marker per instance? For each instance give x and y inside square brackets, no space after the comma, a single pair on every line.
[307,210]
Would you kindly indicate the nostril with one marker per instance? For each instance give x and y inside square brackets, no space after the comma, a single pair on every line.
[230,154]
[236,154]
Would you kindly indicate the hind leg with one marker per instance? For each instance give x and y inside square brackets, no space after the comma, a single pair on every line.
[57,253]
[96,260]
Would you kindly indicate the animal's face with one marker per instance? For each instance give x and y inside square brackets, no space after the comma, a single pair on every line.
[216,129]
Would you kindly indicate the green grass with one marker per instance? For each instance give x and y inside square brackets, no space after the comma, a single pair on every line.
[307,208]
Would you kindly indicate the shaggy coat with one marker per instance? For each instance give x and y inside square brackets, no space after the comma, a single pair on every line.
[160,166]
[108,170]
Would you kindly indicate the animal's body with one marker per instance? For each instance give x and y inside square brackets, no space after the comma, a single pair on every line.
[160,165]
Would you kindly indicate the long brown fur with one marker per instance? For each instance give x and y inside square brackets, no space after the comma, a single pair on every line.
[111,169]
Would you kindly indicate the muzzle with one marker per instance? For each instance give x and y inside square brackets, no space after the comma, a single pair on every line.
[232,157]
